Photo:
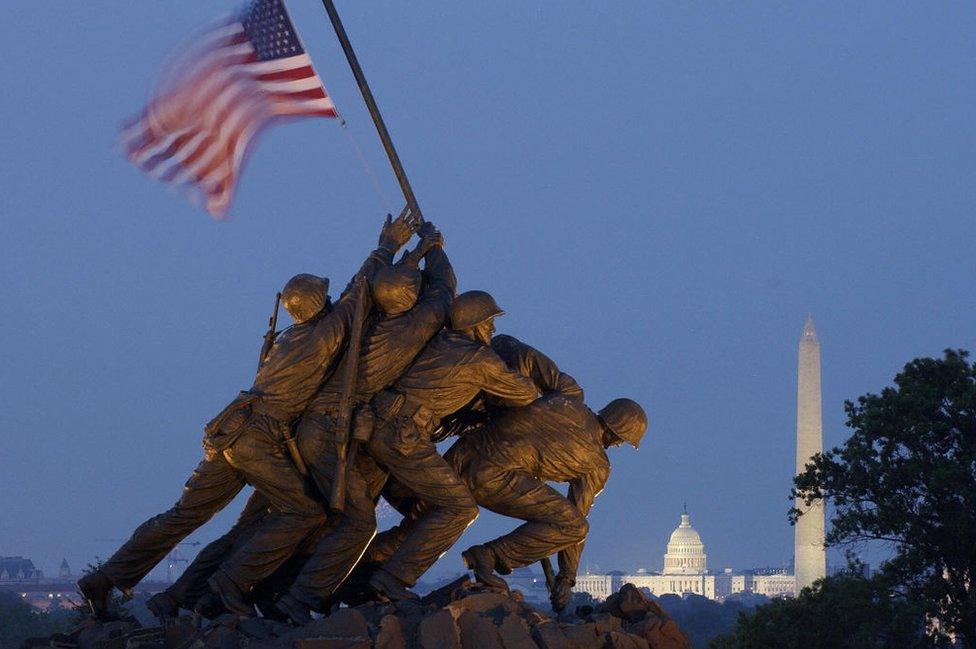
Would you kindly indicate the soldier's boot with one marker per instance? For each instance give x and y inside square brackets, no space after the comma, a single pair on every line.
[267,608]
[96,588]
[296,611]
[481,560]
[163,605]
[230,594]
[210,606]
[355,589]
[389,587]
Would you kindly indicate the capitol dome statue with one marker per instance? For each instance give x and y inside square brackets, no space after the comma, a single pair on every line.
[686,552]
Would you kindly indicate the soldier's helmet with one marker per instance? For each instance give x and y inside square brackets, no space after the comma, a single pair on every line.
[626,419]
[396,289]
[304,296]
[471,308]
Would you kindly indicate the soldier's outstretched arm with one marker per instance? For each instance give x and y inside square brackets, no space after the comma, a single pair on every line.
[431,312]
[506,386]
[437,267]
[530,362]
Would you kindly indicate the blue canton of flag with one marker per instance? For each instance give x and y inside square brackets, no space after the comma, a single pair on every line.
[267,26]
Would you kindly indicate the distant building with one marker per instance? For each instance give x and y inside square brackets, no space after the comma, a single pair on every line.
[597,586]
[770,582]
[685,566]
[772,586]
[19,575]
[18,570]
[845,569]
[686,572]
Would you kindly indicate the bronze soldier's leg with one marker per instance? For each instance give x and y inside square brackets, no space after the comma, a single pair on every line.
[294,512]
[270,589]
[338,551]
[355,588]
[412,459]
[285,576]
[552,523]
[192,584]
[212,486]
[386,542]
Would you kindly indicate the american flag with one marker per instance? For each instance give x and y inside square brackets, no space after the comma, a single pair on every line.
[236,79]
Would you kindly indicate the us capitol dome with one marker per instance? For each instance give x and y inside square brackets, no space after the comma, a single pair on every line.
[686,573]
[686,552]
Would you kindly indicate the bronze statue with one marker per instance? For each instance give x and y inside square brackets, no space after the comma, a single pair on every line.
[243,446]
[508,457]
[411,382]
[401,326]
[452,369]
[397,330]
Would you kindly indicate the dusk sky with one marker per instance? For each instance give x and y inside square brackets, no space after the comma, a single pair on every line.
[656,193]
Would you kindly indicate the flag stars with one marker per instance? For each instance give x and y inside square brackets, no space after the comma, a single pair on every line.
[269,30]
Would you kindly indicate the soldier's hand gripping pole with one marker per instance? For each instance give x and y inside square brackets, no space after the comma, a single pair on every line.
[271,333]
[548,572]
[337,499]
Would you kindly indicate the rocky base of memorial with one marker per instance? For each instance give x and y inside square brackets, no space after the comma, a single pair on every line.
[462,615]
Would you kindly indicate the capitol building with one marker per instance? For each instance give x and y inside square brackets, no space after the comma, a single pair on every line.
[686,572]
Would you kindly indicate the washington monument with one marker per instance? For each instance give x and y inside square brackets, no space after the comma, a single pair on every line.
[809,556]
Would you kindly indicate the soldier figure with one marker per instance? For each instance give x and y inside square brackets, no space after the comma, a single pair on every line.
[507,464]
[400,328]
[507,460]
[244,445]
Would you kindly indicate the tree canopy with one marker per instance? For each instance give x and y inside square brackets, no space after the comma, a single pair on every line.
[907,476]
[841,612]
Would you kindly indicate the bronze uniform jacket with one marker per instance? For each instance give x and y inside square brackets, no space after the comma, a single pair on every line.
[301,357]
[530,362]
[391,344]
[452,369]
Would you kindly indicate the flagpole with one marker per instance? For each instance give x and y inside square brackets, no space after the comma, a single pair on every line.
[374,110]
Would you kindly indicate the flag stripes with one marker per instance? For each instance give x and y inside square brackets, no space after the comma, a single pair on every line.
[233,81]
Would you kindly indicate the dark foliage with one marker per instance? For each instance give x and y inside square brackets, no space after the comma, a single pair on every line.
[907,476]
[19,621]
[842,612]
[701,618]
